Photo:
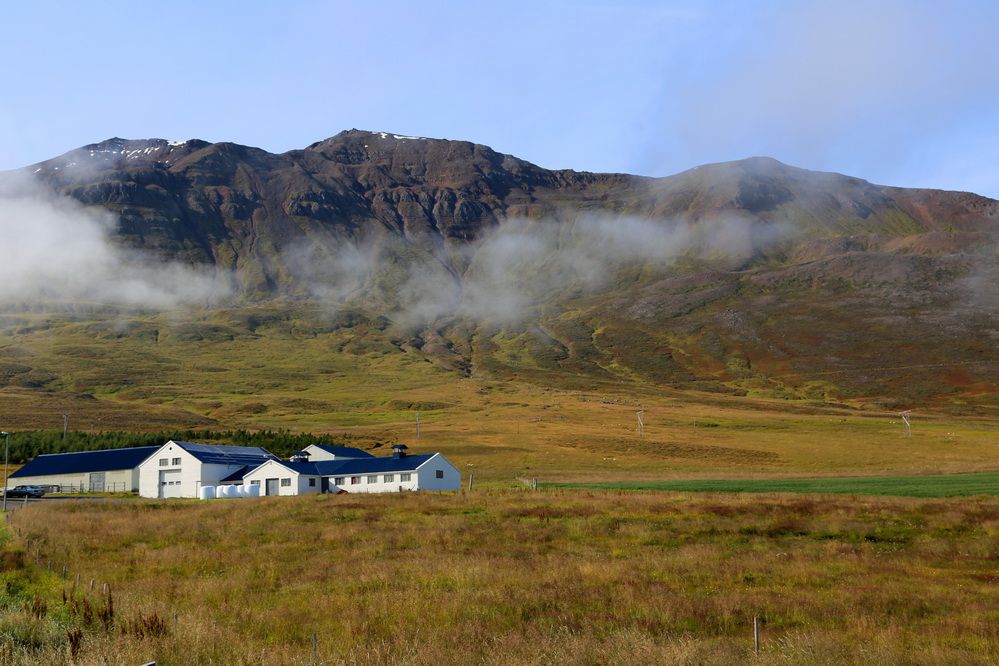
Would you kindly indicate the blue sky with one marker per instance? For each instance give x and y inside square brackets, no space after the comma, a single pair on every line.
[902,93]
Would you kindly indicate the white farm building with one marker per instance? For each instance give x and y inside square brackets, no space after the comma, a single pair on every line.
[183,469]
[108,470]
[180,469]
[362,474]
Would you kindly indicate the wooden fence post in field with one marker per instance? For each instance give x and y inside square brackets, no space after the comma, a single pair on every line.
[470,478]
[756,634]
[315,650]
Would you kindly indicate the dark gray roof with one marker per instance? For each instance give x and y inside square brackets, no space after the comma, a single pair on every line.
[216,454]
[344,451]
[85,461]
[370,465]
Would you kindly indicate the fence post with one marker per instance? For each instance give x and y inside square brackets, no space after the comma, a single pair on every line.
[315,650]
[756,634]
[470,478]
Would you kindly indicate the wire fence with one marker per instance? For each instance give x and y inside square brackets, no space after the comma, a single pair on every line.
[78,489]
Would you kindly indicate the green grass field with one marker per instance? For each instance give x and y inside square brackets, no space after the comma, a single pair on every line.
[942,485]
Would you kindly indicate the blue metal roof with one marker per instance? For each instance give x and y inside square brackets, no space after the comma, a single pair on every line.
[344,451]
[370,465]
[80,462]
[215,454]
[238,474]
[379,465]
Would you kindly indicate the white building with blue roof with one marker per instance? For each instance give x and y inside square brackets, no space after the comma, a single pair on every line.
[364,474]
[106,470]
[181,469]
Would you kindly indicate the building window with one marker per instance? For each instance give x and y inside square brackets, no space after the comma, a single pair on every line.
[176,461]
[164,462]
[372,479]
[339,481]
[355,480]
[285,482]
[254,483]
[312,482]
[389,478]
[404,477]
[440,474]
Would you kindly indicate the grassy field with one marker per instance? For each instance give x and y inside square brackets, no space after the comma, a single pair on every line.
[299,371]
[563,575]
[941,485]
[505,576]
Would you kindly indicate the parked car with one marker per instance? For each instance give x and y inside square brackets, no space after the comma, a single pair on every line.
[25,491]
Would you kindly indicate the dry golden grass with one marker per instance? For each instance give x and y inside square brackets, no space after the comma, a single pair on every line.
[512,576]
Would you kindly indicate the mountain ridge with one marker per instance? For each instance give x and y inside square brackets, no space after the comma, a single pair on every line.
[751,275]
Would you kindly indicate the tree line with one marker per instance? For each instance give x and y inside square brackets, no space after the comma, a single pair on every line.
[26,445]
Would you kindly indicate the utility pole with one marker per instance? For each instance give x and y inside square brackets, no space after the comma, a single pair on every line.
[6,459]
[65,426]
[417,425]
[641,424]
[905,419]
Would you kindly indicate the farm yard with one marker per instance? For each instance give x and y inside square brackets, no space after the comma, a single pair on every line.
[505,576]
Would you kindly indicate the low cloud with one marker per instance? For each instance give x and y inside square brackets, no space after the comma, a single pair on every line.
[503,277]
[53,251]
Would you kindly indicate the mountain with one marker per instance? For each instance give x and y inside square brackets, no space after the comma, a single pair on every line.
[750,276]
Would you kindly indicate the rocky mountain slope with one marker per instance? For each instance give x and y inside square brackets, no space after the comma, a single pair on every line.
[749,276]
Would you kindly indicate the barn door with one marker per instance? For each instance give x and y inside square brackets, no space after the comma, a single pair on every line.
[97,482]
[170,483]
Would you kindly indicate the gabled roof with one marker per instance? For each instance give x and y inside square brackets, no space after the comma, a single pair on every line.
[343,451]
[78,462]
[238,474]
[370,465]
[378,465]
[216,454]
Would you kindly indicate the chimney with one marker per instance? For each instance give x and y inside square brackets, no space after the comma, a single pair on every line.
[399,450]
[300,456]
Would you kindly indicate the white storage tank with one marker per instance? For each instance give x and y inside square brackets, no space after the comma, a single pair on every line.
[206,492]
[252,490]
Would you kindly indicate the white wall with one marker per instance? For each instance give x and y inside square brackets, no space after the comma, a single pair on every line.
[190,471]
[316,454]
[299,483]
[120,480]
[379,486]
[428,475]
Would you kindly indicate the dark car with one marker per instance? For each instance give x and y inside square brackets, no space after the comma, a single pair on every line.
[25,491]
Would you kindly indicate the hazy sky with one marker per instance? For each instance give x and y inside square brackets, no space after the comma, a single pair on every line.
[903,93]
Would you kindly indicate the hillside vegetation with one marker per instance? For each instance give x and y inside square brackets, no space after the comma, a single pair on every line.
[157,375]
[749,278]
[505,577]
